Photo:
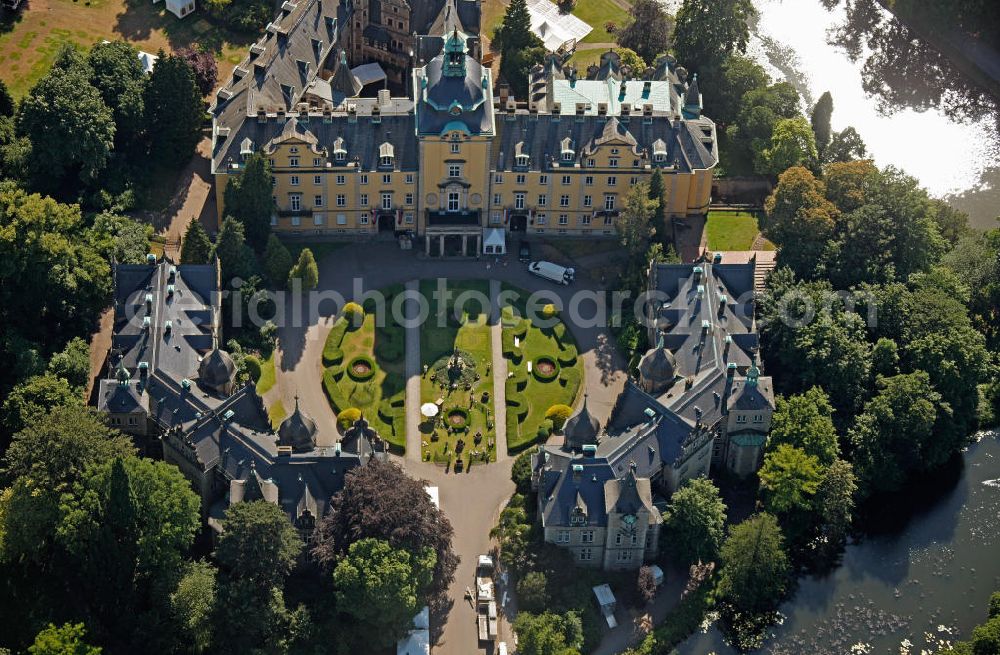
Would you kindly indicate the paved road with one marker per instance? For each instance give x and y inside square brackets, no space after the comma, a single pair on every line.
[471,500]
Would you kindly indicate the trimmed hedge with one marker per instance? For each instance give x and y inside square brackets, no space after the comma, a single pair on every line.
[332,354]
[333,394]
[451,411]
[252,364]
[363,376]
[545,377]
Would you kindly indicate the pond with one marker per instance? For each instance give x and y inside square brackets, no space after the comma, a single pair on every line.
[925,575]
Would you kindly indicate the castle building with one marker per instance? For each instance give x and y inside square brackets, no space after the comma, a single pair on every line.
[698,404]
[451,164]
[174,390]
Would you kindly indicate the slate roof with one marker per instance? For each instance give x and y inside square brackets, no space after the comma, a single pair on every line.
[438,93]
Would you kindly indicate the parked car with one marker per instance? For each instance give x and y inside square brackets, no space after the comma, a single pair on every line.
[524,252]
[554,272]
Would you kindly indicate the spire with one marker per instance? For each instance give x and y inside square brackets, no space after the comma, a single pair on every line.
[454,55]
[753,375]
[692,99]
[122,374]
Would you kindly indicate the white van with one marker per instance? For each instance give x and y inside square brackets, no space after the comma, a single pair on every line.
[553,272]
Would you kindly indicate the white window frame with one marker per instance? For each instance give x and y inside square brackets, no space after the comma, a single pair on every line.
[386,200]
[295,202]
[454,201]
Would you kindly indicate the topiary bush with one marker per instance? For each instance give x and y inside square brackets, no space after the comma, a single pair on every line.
[354,313]
[558,414]
[456,418]
[333,394]
[348,417]
[545,368]
[544,429]
[332,354]
[550,311]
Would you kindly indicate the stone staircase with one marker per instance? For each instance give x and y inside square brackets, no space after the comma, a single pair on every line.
[762,268]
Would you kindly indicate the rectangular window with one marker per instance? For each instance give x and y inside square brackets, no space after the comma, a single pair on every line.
[270,162]
[588,201]
[609,202]
[386,178]
[542,200]
[540,219]
[409,178]
[609,220]
[318,179]
[613,163]
[317,161]
[591,163]
[566,179]
[635,538]
[612,181]
[740,418]
[341,200]
[456,148]
[318,201]
[295,202]
[519,200]
[519,180]
[618,539]
[757,418]
[341,219]
[274,181]
[409,199]
[497,199]
[318,219]
[589,180]
[495,218]
[296,221]
[498,178]
[587,537]
[585,219]
[625,555]
[543,179]
[293,162]
[615,151]
[454,170]
[274,220]
[364,199]
[586,554]
[364,178]
[564,201]
[408,217]
[563,537]
[386,201]
[563,219]
[364,218]
[340,179]
[293,180]
[453,201]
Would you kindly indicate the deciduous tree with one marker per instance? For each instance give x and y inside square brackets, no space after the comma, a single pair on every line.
[806,421]
[792,144]
[548,633]
[67,639]
[755,567]
[800,216]
[694,522]
[649,32]
[846,145]
[708,31]
[206,71]
[193,605]
[820,117]
[789,478]
[277,261]
[175,110]
[72,363]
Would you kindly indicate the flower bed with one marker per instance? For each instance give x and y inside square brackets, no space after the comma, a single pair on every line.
[361,368]
[545,368]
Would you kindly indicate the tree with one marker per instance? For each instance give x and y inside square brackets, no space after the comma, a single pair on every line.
[193,603]
[277,261]
[120,238]
[760,109]
[649,32]
[646,583]
[382,587]
[258,544]
[820,120]
[895,435]
[657,192]
[632,60]
[694,522]
[739,75]
[305,270]
[72,363]
[548,633]
[118,75]
[533,592]
[520,472]
[835,355]
[798,213]
[176,111]
[846,145]
[380,501]
[67,639]
[792,144]
[248,198]
[34,397]
[635,230]
[7,104]
[835,505]
[806,421]
[709,31]
[885,357]
[196,248]
[789,478]
[230,248]
[755,567]
[520,48]
[56,447]
[202,63]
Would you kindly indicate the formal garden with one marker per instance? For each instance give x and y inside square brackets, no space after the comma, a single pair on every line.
[364,369]
[544,371]
[456,383]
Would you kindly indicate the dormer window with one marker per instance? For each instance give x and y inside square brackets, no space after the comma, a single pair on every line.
[659,151]
[566,149]
[339,151]
[386,154]
[246,148]
[579,517]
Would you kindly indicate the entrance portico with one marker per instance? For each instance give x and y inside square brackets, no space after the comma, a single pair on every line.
[453,234]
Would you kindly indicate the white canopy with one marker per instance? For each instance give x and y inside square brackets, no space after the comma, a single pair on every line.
[429,410]
[553,27]
[494,241]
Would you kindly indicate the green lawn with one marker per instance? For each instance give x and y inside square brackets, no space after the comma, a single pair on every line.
[732,231]
[378,344]
[276,414]
[267,375]
[530,395]
[467,397]
[598,12]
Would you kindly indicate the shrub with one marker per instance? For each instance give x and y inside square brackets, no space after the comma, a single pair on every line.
[550,311]
[451,420]
[558,414]
[367,368]
[333,394]
[532,592]
[252,365]
[546,362]
[331,348]
[348,417]
[544,429]
[354,313]
[520,472]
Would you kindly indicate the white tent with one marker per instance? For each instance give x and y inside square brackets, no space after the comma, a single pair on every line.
[553,27]
[180,8]
[494,241]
